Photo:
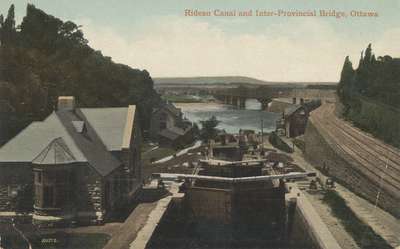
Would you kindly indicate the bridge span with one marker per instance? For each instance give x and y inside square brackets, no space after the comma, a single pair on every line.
[265,95]
[238,96]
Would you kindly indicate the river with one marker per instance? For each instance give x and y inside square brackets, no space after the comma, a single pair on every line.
[232,119]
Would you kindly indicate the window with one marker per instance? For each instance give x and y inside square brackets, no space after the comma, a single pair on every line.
[38,177]
[163,121]
[38,188]
[38,196]
[13,190]
[133,162]
[52,188]
[115,186]
[48,196]
[107,194]
[163,116]
[163,125]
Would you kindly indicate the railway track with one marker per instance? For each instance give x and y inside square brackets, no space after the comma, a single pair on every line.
[384,151]
[375,159]
[381,155]
[389,151]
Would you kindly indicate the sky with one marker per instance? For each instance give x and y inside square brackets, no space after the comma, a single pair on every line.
[157,36]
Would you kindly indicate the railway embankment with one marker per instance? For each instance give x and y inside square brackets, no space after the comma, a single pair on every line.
[362,163]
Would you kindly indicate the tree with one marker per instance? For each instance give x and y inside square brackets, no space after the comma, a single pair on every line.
[8,32]
[10,20]
[208,130]
[1,28]
[371,95]
[346,81]
[46,57]
[368,55]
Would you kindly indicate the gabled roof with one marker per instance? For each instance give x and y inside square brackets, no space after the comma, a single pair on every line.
[292,109]
[82,135]
[89,143]
[129,127]
[167,133]
[27,144]
[169,107]
[57,152]
[172,108]
[109,124]
[173,132]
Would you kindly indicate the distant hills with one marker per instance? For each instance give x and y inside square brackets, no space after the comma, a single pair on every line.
[228,80]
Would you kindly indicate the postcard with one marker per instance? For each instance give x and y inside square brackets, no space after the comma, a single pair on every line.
[242,124]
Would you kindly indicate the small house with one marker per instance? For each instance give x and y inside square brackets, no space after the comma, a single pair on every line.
[169,128]
[295,120]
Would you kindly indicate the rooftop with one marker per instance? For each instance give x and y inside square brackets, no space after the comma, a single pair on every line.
[79,135]
[291,109]
[56,152]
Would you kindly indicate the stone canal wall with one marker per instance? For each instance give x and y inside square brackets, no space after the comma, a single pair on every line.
[305,227]
[323,153]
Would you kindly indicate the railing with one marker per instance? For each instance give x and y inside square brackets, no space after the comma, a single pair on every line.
[177,177]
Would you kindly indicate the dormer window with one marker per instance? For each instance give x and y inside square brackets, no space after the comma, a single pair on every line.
[163,121]
[79,126]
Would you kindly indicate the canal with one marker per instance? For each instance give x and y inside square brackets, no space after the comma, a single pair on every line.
[232,119]
[177,230]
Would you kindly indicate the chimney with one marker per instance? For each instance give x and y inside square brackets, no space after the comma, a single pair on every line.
[294,101]
[66,103]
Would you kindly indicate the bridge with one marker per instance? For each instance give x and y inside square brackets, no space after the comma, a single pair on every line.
[238,96]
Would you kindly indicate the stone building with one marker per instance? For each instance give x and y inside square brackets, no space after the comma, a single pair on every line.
[77,165]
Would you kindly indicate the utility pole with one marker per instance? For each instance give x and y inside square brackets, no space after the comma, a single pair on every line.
[262,135]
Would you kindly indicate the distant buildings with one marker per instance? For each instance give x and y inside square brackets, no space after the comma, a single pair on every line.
[169,128]
[79,164]
[295,120]
[295,117]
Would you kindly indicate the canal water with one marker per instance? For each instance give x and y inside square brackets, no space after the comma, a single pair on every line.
[232,119]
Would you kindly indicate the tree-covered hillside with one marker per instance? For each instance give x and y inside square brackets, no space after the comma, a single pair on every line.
[371,94]
[378,79]
[45,57]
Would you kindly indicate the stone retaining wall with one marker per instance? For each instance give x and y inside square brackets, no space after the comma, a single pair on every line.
[305,227]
